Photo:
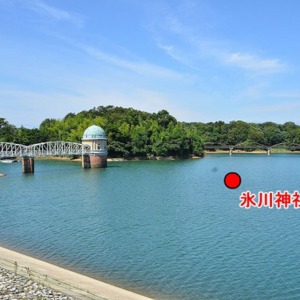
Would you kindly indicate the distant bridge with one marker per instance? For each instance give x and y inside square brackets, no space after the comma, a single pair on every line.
[8,150]
[251,147]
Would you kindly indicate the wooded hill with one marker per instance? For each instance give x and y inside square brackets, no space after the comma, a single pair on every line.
[136,133]
[130,132]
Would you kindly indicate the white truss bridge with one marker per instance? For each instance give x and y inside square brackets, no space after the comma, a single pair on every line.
[43,149]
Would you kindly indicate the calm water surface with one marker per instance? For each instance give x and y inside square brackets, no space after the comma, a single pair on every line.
[166,229]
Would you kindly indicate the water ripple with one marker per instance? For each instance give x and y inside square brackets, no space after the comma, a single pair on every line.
[170,230]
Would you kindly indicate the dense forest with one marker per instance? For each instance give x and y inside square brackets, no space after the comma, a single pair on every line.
[136,133]
[130,132]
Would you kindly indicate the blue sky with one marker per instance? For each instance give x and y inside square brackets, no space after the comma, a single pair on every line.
[202,60]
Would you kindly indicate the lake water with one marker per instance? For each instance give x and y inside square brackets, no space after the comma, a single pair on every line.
[166,229]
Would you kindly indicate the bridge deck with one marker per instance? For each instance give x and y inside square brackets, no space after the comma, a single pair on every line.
[291,147]
[43,149]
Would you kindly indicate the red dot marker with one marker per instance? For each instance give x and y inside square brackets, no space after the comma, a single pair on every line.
[232,180]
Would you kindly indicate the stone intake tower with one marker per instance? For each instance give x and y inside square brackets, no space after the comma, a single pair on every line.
[95,137]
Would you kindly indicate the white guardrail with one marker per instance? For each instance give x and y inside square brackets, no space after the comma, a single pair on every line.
[43,149]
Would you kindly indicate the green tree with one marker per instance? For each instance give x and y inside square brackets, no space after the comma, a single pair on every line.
[7,131]
[272,134]
[139,140]
[164,118]
[291,132]
[27,136]
[256,135]
[238,132]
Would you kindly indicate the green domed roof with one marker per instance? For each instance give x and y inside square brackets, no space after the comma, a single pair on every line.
[94,132]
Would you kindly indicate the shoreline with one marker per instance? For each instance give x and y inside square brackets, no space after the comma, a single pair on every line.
[133,159]
[117,159]
[68,282]
[120,159]
[252,152]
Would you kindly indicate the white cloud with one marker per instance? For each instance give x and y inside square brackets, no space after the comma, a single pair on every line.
[140,67]
[177,55]
[142,99]
[253,91]
[53,12]
[34,107]
[253,63]
[189,46]
[176,26]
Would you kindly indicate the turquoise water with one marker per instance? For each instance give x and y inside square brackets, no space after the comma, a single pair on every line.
[166,229]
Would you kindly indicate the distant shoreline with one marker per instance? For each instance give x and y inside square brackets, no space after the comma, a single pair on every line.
[117,159]
[120,159]
[274,151]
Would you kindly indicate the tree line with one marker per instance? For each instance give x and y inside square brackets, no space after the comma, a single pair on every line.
[239,132]
[133,133]
[130,133]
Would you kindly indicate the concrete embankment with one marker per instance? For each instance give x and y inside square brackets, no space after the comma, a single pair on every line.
[58,279]
[14,286]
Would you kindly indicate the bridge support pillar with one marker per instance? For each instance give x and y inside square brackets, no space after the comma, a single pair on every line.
[93,161]
[230,151]
[86,163]
[98,161]
[269,151]
[27,165]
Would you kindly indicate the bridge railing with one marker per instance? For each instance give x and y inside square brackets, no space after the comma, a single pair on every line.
[210,146]
[251,147]
[43,149]
[11,149]
[241,146]
[57,148]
